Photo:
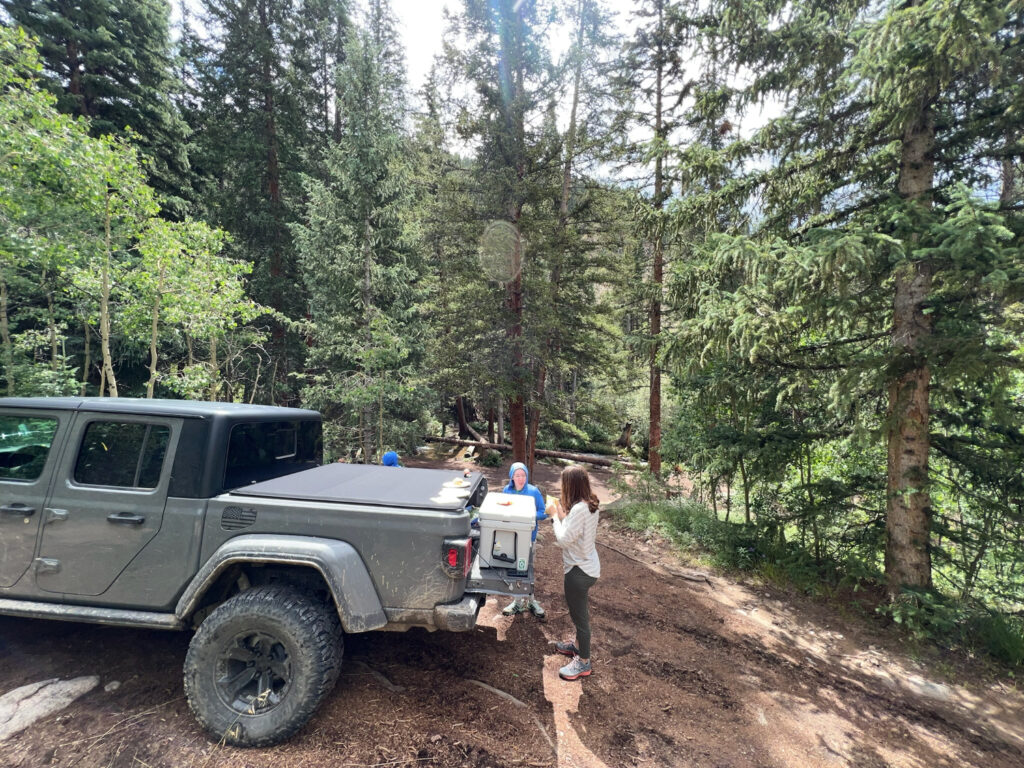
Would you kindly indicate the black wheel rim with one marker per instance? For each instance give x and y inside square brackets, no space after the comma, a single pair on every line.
[254,673]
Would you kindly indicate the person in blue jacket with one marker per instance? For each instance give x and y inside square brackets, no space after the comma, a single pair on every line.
[390,459]
[519,483]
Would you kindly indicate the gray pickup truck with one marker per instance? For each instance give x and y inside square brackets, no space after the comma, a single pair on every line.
[220,517]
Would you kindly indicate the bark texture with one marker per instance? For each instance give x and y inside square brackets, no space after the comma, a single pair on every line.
[908,505]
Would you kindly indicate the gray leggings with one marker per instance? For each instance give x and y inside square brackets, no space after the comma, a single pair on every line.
[577,585]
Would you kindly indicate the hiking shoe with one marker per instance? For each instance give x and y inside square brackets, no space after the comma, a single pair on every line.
[566,649]
[536,609]
[575,669]
[516,606]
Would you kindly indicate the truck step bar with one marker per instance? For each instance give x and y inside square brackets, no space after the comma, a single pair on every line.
[111,616]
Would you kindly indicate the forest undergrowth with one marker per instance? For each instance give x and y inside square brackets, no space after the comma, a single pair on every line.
[767,553]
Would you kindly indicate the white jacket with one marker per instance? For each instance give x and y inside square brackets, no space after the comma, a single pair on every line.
[577,536]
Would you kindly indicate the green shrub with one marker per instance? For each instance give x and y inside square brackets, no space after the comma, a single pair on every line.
[490,459]
[1001,636]
[598,433]
[568,436]
[926,615]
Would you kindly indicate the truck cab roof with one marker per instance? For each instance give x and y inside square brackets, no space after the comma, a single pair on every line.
[162,407]
[221,445]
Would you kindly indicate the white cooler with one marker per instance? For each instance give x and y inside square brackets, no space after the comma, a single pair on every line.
[506,530]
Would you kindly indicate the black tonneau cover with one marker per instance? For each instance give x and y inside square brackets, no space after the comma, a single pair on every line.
[370,484]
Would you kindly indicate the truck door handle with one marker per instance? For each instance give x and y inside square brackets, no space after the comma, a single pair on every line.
[55,515]
[47,565]
[125,518]
[21,510]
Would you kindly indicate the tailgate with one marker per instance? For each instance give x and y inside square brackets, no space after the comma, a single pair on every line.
[499,581]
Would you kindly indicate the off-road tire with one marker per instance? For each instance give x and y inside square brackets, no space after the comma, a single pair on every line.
[272,637]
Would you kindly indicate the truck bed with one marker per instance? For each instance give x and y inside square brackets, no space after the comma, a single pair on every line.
[371,485]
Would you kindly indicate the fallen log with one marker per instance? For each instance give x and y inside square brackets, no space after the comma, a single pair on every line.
[464,427]
[600,461]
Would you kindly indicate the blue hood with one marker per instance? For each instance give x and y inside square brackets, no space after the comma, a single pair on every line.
[389,459]
[518,465]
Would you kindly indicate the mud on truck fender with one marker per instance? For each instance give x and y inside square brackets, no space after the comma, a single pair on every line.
[262,661]
[338,563]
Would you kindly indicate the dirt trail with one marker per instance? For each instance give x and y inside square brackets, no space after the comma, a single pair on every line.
[686,674]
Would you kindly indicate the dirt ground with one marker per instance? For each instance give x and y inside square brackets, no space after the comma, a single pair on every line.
[686,673]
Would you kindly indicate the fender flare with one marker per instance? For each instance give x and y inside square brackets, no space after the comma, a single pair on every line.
[341,567]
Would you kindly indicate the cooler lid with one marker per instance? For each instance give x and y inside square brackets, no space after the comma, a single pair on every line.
[509,508]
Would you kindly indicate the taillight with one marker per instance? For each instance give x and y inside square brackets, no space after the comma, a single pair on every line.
[457,557]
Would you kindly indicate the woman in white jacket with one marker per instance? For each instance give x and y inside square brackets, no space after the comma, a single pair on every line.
[575,519]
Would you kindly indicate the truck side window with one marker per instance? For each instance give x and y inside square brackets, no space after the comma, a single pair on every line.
[24,446]
[122,454]
[263,450]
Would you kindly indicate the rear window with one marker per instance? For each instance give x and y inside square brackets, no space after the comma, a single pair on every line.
[263,450]
[24,445]
[122,454]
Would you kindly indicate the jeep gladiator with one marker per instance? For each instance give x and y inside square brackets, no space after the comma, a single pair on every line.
[221,518]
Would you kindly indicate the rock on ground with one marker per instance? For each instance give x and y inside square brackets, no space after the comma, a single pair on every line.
[25,705]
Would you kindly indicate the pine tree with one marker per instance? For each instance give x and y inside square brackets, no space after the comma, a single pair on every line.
[874,279]
[110,61]
[259,124]
[361,271]
[507,66]
[652,85]
[577,255]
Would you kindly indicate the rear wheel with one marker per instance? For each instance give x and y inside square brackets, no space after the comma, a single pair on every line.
[261,663]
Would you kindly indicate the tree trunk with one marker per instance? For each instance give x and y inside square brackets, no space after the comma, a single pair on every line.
[1007,191]
[214,369]
[728,497]
[5,336]
[501,420]
[75,78]
[657,275]
[572,395]
[340,35]
[517,427]
[51,324]
[514,303]
[490,426]
[366,420]
[626,437]
[87,361]
[563,224]
[908,505]
[367,436]
[464,426]
[108,365]
[746,490]
[531,443]
[154,325]
[273,238]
